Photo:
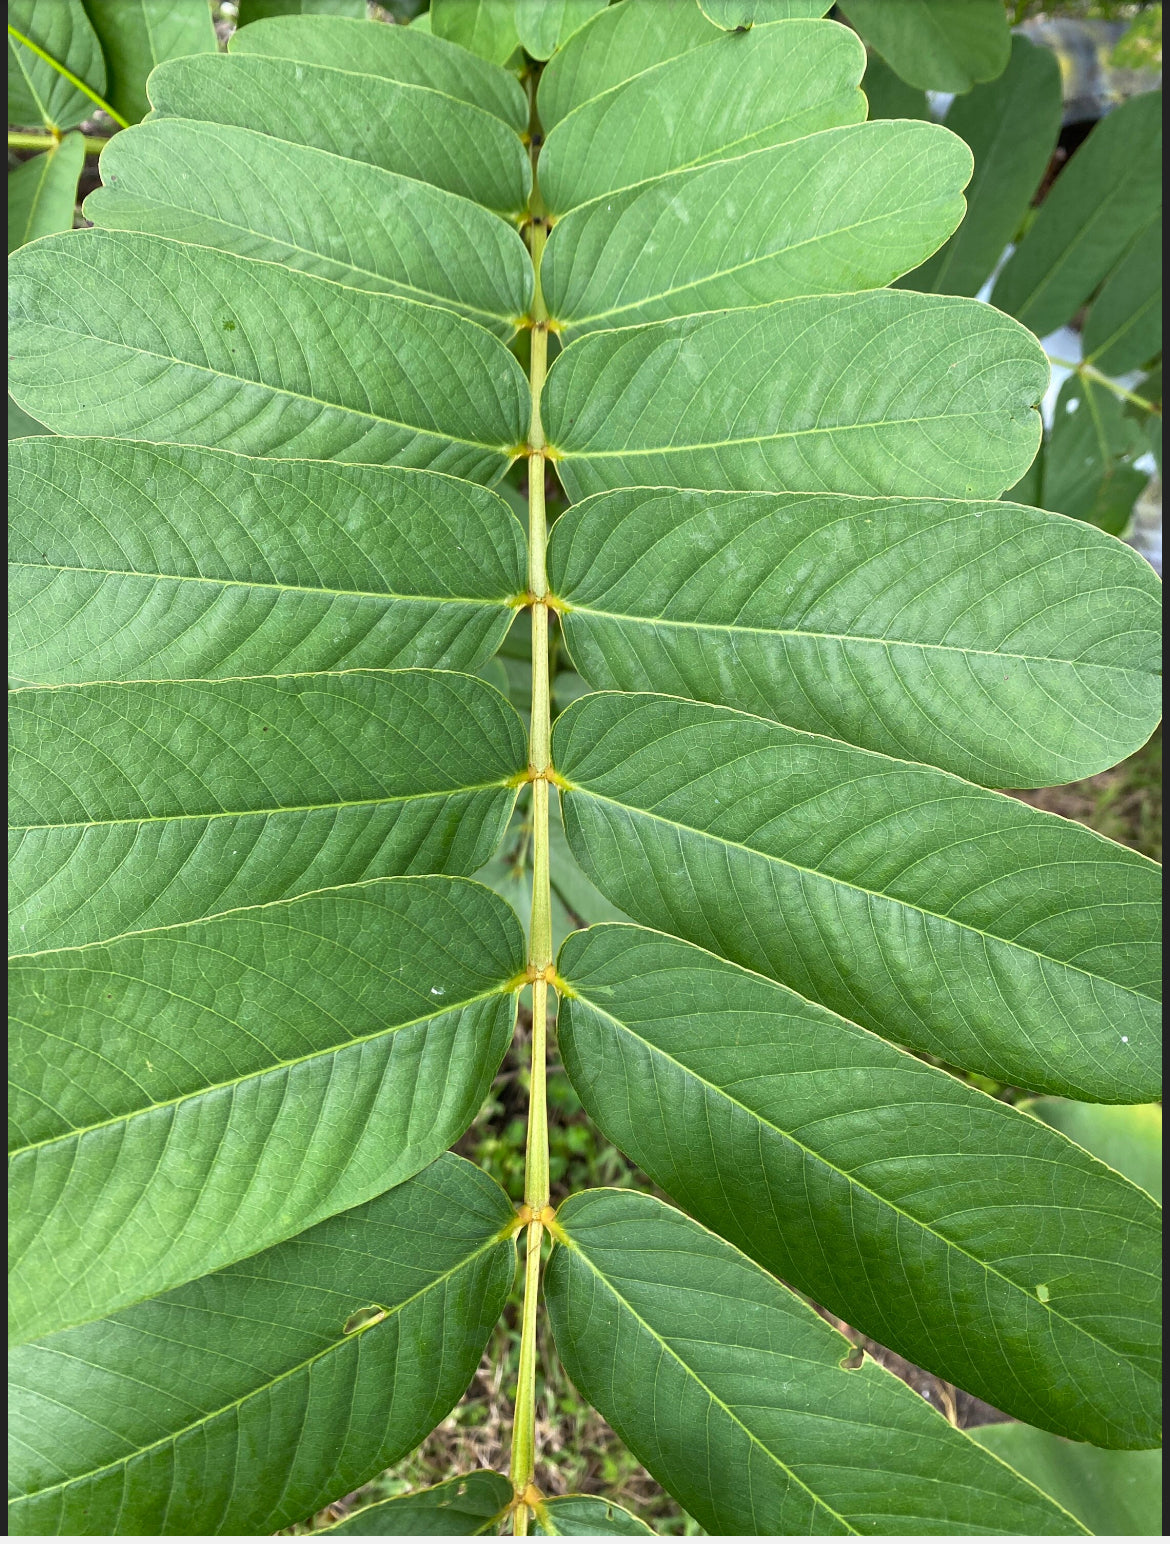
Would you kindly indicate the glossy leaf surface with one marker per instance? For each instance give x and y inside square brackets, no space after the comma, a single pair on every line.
[1011,125]
[141,562]
[898,896]
[670,1331]
[239,1403]
[849,209]
[951,633]
[1095,209]
[885,392]
[466,1505]
[43,190]
[153,804]
[937,45]
[38,94]
[249,356]
[892,1193]
[319,1051]
[351,222]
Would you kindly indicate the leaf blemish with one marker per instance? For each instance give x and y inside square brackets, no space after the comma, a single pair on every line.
[363,1318]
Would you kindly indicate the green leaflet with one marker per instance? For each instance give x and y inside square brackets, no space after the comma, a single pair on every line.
[136,562]
[317,1051]
[671,1332]
[238,1403]
[135,38]
[1011,125]
[153,804]
[1110,1493]
[545,25]
[1095,209]
[743,92]
[941,916]
[848,209]
[317,212]
[39,95]
[43,190]
[1126,1137]
[582,1516]
[1124,327]
[734,14]
[486,28]
[885,392]
[466,1505]
[620,43]
[402,54]
[981,638]
[192,344]
[1088,469]
[351,222]
[900,1198]
[21,424]
[937,45]
[402,127]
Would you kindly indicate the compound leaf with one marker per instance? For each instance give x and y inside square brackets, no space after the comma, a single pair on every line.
[191,344]
[318,1050]
[157,803]
[946,918]
[1096,207]
[38,93]
[43,190]
[937,45]
[731,1391]
[142,562]
[848,209]
[743,92]
[950,633]
[1011,125]
[467,1505]
[883,392]
[246,1400]
[898,1197]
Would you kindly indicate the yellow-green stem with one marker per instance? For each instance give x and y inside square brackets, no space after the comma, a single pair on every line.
[74,80]
[20,141]
[536,1175]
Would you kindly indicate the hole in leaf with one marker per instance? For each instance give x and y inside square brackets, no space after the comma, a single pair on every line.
[853,1359]
[374,1313]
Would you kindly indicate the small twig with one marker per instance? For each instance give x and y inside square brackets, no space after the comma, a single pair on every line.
[21,141]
